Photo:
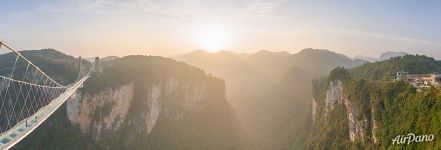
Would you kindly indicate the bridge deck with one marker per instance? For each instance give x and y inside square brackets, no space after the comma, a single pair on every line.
[26,126]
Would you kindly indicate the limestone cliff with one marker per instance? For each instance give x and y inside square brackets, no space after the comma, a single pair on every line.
[82,109]
[334,95]
[159,108]
[314,109]
[85,109]
[358,123]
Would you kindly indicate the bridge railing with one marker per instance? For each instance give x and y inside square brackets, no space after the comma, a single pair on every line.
[25,90]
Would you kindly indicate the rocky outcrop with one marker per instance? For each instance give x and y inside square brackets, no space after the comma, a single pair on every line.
[314,109]
[374,126]
[357,123]
[86,110]
[153,107]
[105,112]
[334,95]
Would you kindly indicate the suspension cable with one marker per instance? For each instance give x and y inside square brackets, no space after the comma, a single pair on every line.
[19,54]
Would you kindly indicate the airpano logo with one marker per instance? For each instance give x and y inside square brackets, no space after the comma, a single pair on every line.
[410,138]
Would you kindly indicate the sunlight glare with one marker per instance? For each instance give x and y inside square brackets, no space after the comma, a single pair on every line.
[212,39]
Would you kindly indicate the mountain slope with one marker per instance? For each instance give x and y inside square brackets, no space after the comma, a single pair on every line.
[322,61]
[54,63]
[270,90]
[144,102]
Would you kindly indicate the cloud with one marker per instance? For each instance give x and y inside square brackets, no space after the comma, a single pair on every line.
[91,6]
[348,32]
[168,9]
[409,40]
[263,6]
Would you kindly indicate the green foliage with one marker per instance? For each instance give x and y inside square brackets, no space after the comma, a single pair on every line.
[386,70]
[141,68]
[403,110]
[394,107]
[319,88]
[330,132]
[339,73]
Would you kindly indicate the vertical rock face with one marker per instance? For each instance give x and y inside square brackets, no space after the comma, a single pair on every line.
[314,109]
[105,111]
[356,127]
[101,112]
[334,95]
[153,107]
[73,108]
[374,126]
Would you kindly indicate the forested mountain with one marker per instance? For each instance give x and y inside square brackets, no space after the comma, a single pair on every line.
[383,56]
[387,69]
[364,108]
[270,90]
[54,63]
[321,61]
[139,102]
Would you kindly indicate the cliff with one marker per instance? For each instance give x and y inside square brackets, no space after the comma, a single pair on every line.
[357,122]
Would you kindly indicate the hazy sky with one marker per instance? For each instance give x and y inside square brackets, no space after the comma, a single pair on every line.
[167,27]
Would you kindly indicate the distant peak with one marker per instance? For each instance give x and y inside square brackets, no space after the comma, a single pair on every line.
[225,52]
[365,58]
[389,54]
[313,49]
[267,53]
[199,51]
[283,53]
[264,51]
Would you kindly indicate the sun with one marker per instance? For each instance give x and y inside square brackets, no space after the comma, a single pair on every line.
[212,39]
